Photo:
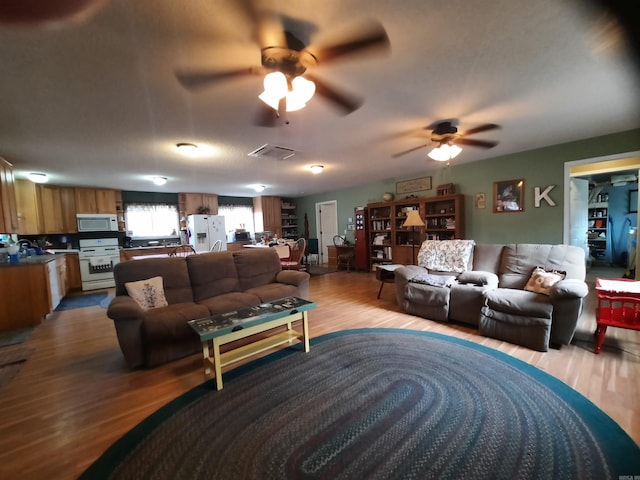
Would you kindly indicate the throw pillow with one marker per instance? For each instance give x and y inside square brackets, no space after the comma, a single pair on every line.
[147,293]
[542,280]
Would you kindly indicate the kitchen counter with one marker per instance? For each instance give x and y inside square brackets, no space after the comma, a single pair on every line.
[33,260]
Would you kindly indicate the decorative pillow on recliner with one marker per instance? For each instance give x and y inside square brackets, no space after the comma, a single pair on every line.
[147,293]
[541,280]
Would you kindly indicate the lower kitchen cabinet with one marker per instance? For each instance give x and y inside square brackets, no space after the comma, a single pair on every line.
[73,281]
[30,291]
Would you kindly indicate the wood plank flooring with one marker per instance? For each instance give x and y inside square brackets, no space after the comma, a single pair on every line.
[75,396]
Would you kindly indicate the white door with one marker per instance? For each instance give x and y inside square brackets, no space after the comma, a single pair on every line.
[579,208]
[326,226]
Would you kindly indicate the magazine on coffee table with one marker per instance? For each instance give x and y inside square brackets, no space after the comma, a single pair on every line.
[243,315]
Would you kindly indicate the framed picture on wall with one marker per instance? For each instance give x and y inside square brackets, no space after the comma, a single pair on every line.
[508,196]
[415,185]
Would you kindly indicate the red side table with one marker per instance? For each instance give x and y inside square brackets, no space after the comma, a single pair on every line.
[618,306]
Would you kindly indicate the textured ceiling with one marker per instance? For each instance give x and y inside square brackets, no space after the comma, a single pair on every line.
[97,103]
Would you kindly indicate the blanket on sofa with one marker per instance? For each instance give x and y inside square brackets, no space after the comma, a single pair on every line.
[446,255]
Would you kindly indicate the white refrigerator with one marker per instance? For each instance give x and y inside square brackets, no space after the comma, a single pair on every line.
[204,230]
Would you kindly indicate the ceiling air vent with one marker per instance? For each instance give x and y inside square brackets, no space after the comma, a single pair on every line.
[273,151]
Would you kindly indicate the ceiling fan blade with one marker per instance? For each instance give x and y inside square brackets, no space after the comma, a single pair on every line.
[347,103]
[482,128]
[269,31]
[369,35]
[196,79]
[399,154]
[476,143]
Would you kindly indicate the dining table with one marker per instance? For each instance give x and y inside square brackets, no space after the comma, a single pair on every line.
[283,250]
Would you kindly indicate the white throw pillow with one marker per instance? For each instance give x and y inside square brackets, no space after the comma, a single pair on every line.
[541,280]
[147,293]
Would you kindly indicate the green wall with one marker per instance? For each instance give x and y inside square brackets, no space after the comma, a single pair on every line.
[539,168]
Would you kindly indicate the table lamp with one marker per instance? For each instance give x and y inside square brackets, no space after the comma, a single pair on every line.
[413,220]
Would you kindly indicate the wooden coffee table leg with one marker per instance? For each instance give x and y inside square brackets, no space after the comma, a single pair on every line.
[216,364]
[305,331]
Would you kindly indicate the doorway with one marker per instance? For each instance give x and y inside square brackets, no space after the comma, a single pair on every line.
[326,226]
[612,222]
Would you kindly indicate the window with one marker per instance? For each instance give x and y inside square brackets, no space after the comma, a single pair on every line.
[237,217]
[151,220]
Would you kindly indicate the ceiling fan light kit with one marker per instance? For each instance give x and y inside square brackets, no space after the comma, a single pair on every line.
[276,87]
[444,152]
[316,169]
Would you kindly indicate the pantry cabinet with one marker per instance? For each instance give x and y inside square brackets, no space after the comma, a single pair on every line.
[267,213]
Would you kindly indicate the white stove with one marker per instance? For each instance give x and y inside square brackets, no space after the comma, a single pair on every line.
[97,257]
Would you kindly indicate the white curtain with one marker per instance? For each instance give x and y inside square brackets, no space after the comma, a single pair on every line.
[151,220]
[237,217]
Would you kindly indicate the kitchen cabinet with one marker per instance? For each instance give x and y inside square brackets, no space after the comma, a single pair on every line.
[95,200]
[8,205]
[73,279]
[267,214]
[29,208]
[58,209]
[195,203]
[45,208]
[31,290]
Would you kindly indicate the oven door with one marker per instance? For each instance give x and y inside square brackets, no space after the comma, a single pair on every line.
[96,271]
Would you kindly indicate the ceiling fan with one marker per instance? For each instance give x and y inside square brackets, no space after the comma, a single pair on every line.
[446,135]
[285,59]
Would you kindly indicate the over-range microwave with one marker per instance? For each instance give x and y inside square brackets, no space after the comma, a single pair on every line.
[97,222]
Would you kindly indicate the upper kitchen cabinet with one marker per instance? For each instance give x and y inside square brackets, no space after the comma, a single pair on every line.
[194,203]
[8,205]
[58,209]
[29,207]
[45,209]
[95,200]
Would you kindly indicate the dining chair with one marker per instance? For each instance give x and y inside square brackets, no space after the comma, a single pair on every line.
[345,253]
[296,256]
[217,246]
[182,251]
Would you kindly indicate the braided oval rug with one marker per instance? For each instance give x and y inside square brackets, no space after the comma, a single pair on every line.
[377,404]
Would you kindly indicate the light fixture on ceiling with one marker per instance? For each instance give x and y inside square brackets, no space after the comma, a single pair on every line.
[445,152]
[38,177]
[259,188]
[315,169]
[296,94]
[187,149]
[159,180]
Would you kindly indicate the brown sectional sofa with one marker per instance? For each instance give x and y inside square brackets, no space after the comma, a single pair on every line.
[195,286]
[489,293]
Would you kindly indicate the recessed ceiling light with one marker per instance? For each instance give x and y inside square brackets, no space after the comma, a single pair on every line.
[38,177]
[259,188]
[159,180]
[316,169]
[187,149]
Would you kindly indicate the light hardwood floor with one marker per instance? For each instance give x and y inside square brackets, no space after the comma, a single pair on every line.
[75,396]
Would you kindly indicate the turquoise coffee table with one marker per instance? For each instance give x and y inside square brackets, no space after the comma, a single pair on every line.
[218,330]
